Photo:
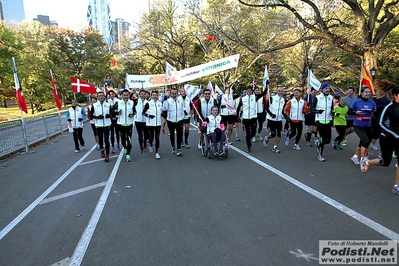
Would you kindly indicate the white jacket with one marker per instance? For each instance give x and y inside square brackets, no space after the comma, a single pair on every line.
[155,109]
[102,108]
[139,117]
[249,107]
[74,115]
[175,109]
[276,106]
[213,123]
[324,103]
[229,103]
[186,103]
[125,112]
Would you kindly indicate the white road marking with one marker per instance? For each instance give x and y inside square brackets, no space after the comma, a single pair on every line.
[73,192]
[85,239]
[25,212]
[97,160]
[355,215]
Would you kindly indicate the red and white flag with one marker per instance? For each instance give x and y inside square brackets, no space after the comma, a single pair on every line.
[82,86]
[57,99]
[18,89]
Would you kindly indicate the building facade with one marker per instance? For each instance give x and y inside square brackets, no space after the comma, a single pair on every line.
[13,11]
[99,17]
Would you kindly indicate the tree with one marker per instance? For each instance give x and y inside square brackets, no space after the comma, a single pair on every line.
[359,27]
[82,54]
[9,47]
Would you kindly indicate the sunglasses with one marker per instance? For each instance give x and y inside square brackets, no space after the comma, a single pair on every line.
[207,94]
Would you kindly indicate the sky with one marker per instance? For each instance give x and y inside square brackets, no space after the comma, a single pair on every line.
[72,13]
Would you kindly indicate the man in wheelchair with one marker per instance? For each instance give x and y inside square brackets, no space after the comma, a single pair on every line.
[215,131]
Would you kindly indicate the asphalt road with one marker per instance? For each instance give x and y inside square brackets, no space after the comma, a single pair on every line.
[260,208]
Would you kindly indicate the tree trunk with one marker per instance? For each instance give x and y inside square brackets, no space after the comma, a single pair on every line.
[370,59]
[5,103]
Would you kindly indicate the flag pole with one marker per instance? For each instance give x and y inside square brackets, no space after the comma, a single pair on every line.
[361,76]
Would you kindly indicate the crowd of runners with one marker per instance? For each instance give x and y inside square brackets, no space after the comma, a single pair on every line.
[328,117]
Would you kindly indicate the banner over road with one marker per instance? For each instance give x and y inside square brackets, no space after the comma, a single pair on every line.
[148,81]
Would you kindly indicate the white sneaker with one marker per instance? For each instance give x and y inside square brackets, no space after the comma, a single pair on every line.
[355,160]
[373,147]
[265,141]
[199,145]
[296,147]
[253,139]
[157,156]
[83,148]
[287,141]
[76,151]
[98,146]
[151,149]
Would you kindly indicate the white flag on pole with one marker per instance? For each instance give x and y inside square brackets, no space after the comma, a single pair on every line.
[313,82]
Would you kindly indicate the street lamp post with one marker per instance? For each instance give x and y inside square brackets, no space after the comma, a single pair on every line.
[373,72]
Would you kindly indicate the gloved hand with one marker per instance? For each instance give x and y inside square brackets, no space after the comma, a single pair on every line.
[273,115]
[222,127]
[69,120]
[320,111]
[80,119]
[204,124]
[107,116]
[151,116]
[100,117]
[130,115]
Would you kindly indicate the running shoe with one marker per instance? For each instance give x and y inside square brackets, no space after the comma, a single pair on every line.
[106,159]
[157,156]
[265,141]
[163,131]
[308,144]
[355,159]
[285,132]
[317,143]
[373,147]
[248,149]
[307,139]
[364,167]
[179,153]
[343,143]
[395,189]
[187,145]
[229,142]
[199,145]
[76,151]
[102,153]
[287,141]
[173,150]
[275,149]
[83,148]
[151,149]
[98,146]
[128,158]
[296,147]
[112,150]
[259,136]
[118,148]
[321,158]
[237,138]
[124,151]
[141,150]
[169,133]
[253,139]
[333,143]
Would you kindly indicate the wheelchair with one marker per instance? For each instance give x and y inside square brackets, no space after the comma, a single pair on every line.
[207,148]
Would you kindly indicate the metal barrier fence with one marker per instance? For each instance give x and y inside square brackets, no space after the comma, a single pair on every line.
[17,134]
